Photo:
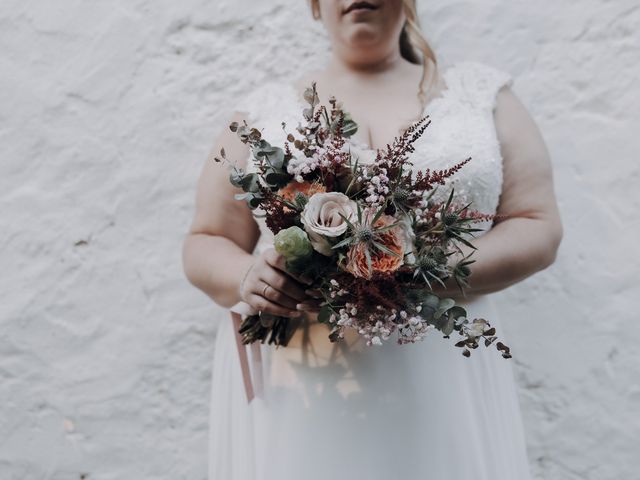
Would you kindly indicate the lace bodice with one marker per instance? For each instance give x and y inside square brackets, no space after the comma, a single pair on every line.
[462,125]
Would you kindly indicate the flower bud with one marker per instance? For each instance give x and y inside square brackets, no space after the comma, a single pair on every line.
[293,243]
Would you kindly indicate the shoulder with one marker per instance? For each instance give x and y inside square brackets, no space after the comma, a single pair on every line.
[482,71]
[490,88]
[479,82]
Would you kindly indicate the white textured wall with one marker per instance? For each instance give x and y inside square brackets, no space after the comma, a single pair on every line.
[107,112]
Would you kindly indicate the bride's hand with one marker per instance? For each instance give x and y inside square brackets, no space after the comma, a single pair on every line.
[269,288]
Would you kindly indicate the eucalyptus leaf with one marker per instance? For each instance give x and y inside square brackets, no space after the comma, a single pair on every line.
[307,112]
[252,199]
[457,312]
[241,196]
[276,178]
[311,97]
[250,183]
[274,156]
[444,305]
[349,128]
[448,326]
[431,300]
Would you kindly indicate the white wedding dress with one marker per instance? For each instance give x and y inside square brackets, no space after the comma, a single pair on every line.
[350,412]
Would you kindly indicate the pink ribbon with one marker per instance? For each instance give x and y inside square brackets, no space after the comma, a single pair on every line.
[248,370]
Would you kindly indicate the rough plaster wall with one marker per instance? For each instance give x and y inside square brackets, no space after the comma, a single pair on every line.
[107,112]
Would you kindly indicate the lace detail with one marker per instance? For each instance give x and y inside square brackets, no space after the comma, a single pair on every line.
[462,126]
[478,83]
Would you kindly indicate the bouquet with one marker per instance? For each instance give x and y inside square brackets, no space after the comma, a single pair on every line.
[370,234]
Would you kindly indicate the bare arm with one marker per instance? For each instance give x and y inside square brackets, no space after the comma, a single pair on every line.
[527,241]
[217,250]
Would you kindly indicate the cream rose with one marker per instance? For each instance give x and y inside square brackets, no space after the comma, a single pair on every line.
[321,218]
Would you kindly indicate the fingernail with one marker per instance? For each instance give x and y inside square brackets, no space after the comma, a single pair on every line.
[295,313]
[303,306]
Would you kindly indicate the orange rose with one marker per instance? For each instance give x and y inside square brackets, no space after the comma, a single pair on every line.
[380,261]
[289,191]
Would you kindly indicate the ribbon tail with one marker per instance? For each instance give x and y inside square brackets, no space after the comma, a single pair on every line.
[248,371]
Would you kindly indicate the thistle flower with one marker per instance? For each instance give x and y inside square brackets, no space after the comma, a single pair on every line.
[376,244]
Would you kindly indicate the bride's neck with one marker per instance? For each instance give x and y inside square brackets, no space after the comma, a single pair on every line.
[362,65]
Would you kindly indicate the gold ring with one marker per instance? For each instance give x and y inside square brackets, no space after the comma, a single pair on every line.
[264,291]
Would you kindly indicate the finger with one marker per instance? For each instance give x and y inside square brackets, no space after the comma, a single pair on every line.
[283,283]
[277,297]
[313,293]
[304,279]
[309,306]
[278,261]
[264,305]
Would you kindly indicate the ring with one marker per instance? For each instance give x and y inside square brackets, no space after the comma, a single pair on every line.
[264,291]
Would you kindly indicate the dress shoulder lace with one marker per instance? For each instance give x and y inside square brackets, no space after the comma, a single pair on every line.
[477,84]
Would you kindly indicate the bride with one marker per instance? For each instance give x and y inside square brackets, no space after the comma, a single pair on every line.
[344,410]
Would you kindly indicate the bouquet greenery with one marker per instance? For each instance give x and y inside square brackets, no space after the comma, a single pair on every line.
[370,234]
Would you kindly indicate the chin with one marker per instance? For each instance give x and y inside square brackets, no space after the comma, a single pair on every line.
[362,34]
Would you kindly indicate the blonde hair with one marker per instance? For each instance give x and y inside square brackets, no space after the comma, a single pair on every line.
[414,47]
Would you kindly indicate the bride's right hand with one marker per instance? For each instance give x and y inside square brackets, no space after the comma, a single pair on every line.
[269,288]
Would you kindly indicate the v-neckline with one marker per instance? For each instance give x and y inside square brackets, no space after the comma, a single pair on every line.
[445,94]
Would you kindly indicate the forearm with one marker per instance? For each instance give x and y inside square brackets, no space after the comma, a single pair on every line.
[216,265]
[508,253]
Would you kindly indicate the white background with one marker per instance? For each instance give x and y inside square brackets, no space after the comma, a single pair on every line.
[108,110]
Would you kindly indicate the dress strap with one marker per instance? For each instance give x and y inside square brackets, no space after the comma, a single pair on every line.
[477,84]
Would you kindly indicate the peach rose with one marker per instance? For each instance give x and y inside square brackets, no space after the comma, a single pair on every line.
[382,262]
[289,191]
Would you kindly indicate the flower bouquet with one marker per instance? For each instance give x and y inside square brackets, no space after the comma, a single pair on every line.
[370,234]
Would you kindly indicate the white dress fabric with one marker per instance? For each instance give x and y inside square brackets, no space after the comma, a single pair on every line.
[347,411]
